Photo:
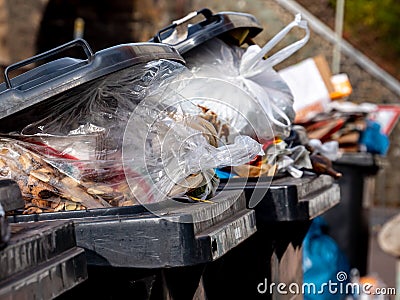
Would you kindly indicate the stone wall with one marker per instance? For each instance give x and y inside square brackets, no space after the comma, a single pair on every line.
[23,20]
[29,27]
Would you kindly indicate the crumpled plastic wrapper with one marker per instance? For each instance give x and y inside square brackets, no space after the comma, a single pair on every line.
[291,160]
[328,149]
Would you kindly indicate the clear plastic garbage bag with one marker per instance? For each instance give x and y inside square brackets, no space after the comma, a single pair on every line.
[127,138]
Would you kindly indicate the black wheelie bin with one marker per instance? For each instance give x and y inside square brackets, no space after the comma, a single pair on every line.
[148,252]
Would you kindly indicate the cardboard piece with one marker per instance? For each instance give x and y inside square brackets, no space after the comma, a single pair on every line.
[310,83]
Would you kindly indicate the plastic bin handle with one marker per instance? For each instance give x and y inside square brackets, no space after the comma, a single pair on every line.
[204,11]
[77,42]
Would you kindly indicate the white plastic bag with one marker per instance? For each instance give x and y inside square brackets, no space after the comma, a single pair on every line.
[248,70]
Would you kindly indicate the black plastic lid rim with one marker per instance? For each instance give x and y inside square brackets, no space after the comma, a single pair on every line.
[213,26]
[70,73]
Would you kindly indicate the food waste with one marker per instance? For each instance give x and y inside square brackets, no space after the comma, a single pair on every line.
[47,187]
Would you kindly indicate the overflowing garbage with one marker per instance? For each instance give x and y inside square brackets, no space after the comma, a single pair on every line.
[154,128]
[162,123]
[72,158]
[270,112]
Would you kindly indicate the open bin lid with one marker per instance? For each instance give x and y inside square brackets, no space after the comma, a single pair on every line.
[58,76]
[213,25]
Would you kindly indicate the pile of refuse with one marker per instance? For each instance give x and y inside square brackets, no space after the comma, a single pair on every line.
[352,126]
[323,108]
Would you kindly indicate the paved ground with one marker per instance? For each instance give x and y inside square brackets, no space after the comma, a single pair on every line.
[379,262]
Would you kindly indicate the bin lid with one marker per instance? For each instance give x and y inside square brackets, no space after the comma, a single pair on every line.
[187,38]
[286,198]
[60,75]
[116,236]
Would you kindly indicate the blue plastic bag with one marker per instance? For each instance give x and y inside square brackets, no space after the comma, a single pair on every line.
[373,139]
[325,266]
